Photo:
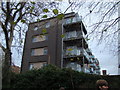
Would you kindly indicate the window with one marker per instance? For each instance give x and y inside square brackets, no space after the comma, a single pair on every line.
[39,51]
[37,65]
[47,25]
[35,28]
[45,51]
[39,38]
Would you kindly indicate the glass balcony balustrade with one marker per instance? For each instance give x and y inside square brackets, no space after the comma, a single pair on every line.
[86,70]
[74,66]
[91,56]
[92,65]
[75,51]
[95,61]
[72,20]
[97,67]
[72,51]
[91,61]
[94,72]
[72,35]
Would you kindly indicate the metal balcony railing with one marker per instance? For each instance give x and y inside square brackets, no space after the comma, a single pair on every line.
[72,20]
[76,52]
[72,35]
[73,53]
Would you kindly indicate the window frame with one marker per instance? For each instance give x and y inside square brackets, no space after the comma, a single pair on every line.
[41,64]
[45,37]
[44,49]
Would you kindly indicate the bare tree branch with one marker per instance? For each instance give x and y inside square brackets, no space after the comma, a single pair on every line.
[22,4]
[68,7]
[3,48]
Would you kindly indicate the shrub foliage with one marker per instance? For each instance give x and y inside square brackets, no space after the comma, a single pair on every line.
[52,78]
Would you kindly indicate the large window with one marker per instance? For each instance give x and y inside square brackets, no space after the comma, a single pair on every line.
[39,38]
[37,65]
[39,51]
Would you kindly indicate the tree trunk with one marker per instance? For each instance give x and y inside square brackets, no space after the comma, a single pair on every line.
[6,70]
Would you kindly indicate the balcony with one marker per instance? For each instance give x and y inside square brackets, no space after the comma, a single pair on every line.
[91,56]
[86,70]
[72,51]
[72,20]
[91,61]
[96,61]
[97,68]
[75,66]
[73,35]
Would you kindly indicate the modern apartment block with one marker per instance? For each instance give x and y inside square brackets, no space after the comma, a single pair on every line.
[59,42]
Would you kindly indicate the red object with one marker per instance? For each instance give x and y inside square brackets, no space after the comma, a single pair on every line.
[104,72]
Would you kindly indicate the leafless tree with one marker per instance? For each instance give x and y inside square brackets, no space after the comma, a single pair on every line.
[14,17]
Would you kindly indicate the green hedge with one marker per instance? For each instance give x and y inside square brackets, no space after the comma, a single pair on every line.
[52,77]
